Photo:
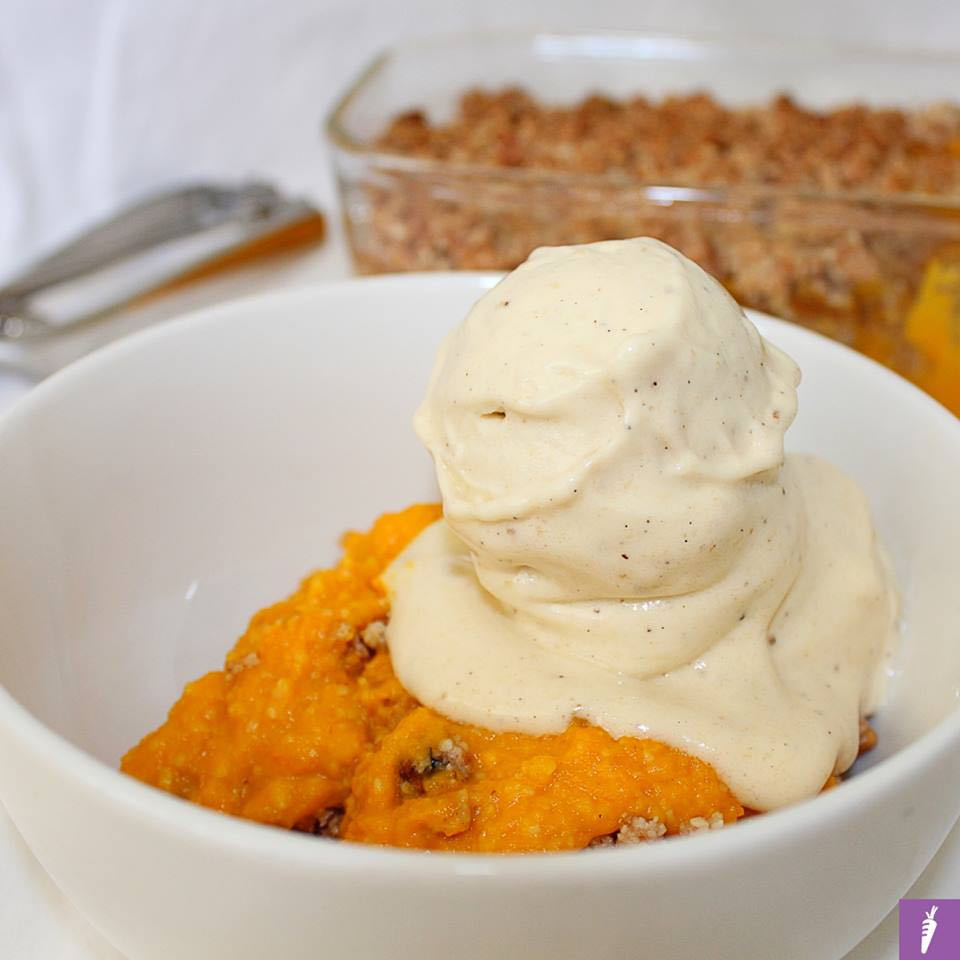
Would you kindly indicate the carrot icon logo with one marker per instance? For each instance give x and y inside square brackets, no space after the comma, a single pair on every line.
[927,929]
[930,929]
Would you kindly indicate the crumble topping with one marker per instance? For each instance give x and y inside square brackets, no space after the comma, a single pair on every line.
[244,663]
[699,824]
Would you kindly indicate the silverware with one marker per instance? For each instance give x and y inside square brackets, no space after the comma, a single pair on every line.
[164,240]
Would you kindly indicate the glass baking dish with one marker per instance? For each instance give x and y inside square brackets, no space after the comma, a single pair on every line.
[877,271]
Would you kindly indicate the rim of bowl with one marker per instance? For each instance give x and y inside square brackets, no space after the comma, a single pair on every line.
[164,812]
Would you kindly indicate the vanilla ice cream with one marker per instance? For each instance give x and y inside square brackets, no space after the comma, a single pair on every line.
[624,540]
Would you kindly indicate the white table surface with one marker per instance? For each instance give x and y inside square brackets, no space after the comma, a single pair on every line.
[36,920]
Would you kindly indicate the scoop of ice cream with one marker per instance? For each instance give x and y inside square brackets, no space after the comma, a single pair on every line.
[608,429]
[624,540]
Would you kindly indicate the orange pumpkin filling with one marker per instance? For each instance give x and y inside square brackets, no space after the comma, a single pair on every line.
[307,727]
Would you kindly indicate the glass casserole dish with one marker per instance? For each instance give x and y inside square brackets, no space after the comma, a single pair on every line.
[875,269]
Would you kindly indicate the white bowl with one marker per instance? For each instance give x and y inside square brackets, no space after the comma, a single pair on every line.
[156,494]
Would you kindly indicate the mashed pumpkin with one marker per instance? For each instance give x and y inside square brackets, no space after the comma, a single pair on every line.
[308,728]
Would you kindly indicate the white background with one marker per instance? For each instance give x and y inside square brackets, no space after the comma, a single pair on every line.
[103,100]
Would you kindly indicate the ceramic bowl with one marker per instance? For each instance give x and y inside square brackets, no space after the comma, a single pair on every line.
[155,494]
